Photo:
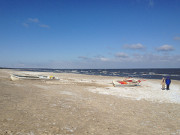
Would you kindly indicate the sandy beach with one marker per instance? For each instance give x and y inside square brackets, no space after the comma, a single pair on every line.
[86,105]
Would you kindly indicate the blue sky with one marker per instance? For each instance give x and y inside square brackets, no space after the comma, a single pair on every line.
[90,33]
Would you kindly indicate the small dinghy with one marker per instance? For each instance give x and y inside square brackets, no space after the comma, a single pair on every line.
[126,82]
[31,77]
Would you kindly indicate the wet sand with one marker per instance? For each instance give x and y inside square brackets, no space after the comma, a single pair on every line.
[85,105]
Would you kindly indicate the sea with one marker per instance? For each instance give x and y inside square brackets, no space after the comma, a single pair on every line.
[154,73]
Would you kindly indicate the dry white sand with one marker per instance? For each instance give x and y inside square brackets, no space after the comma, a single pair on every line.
[86,104]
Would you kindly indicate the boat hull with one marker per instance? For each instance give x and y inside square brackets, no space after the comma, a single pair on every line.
[127,84]
[13,78]
[30,77]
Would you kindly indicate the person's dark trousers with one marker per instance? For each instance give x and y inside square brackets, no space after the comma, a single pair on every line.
[167,87]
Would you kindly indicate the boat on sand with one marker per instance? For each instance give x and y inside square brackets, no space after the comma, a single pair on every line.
[126,82]
[15,77]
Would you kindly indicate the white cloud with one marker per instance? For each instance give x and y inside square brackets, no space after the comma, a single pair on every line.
[103,59]
[83,57]
[44,26]
[33,20]
[25,24]
[121,55]
[155,60]
[137,46]
[176,38]
[151,3]
[165,48]
[96,58]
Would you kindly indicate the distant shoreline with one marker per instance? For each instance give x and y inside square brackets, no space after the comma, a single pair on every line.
[153,73]
[84,68]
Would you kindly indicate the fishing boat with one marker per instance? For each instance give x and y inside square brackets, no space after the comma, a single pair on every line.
[126,82]
[15,77]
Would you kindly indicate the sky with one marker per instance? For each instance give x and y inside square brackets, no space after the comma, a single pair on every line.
[90,34]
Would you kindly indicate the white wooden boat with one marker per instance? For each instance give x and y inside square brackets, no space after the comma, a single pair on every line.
[15,77]
[126,83]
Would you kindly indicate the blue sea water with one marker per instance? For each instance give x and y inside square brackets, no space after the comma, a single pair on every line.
[173,73]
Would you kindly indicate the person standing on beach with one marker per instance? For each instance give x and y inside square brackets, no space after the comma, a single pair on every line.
[168,82]
[163,83]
